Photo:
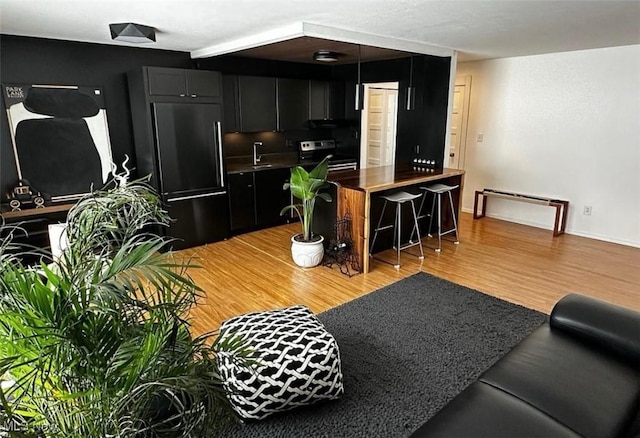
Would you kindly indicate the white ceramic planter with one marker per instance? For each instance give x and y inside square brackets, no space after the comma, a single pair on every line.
[307,254]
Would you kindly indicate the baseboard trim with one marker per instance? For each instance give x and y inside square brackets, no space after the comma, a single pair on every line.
[568,230]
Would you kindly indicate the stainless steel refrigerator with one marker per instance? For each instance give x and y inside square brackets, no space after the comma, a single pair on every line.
[190,171]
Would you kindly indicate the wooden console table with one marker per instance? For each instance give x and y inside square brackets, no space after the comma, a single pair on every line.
[30,212]
[34,223]
[561,206]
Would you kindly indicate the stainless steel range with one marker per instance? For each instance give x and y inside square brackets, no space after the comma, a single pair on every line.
[316,150]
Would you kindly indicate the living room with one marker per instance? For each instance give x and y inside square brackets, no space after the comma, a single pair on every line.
[522,136]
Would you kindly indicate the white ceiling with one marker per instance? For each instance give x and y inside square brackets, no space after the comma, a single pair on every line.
[477,29]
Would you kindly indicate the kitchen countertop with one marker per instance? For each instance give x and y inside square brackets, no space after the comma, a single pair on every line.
[275,161]
[376,179]
[268,161]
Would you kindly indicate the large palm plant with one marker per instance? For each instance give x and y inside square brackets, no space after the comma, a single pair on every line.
[96,343]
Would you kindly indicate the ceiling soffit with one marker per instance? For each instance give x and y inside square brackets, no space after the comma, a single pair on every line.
[298,42]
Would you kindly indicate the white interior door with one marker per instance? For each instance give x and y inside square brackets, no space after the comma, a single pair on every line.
[459,118]
[379,125]
[391,117]
[374,127]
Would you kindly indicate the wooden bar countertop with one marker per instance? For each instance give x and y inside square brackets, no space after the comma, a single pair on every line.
[355,189]
[376,179]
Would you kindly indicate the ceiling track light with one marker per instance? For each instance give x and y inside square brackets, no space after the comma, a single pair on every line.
[359,85]
[325,56]
[411,91]
[132,33]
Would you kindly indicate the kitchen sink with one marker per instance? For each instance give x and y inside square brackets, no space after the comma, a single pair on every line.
[261,166]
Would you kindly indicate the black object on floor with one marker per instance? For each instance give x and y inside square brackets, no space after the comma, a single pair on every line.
[407,350]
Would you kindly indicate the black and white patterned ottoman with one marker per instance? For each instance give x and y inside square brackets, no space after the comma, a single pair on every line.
[298,362]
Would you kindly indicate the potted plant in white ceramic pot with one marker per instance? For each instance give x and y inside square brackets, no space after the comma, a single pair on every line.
[307,248]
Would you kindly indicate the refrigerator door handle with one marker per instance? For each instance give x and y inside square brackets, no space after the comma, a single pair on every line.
[218,133]
[203,195]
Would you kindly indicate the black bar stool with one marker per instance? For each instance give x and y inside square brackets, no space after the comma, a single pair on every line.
[398,198]
[438,190]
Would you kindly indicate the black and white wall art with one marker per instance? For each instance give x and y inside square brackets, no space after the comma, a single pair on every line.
[60,138]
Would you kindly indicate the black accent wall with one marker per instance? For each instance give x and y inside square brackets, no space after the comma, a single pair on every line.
[426,124]
[26,60]
[53,62]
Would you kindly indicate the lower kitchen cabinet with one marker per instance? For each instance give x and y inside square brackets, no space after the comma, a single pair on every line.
[241,200]
[256,198]
[198,220]
[270,197]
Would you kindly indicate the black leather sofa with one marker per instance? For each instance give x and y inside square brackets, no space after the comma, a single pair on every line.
[576,376]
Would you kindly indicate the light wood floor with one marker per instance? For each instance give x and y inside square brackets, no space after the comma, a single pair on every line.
[517,263]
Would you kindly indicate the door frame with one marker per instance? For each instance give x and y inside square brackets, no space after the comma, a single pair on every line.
[364,122]
[466,100]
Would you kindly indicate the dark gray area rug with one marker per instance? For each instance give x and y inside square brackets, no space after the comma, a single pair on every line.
[406,351]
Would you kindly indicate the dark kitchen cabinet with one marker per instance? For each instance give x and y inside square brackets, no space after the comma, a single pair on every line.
[317,100]
[230,97]
[257,103]
[242,200]
[256,198]
[183,83]
[270,197]
[326,100]
[198,220]
[178,142]
[336,103]
[350,111]
[293,104]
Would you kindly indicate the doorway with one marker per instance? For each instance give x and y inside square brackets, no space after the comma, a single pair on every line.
[379,124]
[459,121]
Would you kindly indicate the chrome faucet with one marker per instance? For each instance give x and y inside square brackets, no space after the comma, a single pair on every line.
[256,157]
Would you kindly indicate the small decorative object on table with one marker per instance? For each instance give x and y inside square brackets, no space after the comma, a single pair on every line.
[24,196]
[423,164]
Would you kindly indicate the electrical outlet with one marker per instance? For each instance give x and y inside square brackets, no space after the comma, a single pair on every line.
[480,137]
[587,210]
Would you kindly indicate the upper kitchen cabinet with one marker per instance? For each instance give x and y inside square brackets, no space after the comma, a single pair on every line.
[349,107]
[183,83]
[231,110]
[326,100]
[257,103]
[293,104]
[335,107]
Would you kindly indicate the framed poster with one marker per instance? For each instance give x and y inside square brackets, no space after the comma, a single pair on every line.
[60,138]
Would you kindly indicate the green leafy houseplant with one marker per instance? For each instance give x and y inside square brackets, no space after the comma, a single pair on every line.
[97,343]
[307,186]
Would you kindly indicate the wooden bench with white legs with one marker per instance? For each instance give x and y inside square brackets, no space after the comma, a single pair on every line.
[560,205]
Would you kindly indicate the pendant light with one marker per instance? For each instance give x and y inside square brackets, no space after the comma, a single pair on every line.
[411,91]
[359,86]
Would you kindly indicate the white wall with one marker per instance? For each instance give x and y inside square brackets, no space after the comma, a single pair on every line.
[563,125]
